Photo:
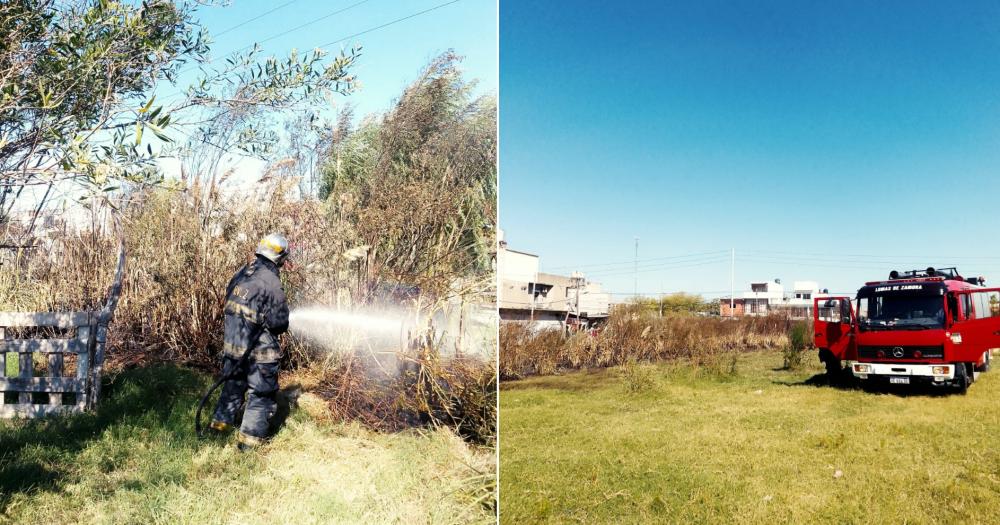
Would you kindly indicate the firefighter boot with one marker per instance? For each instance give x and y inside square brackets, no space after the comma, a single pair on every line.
[246,442]
[219,427]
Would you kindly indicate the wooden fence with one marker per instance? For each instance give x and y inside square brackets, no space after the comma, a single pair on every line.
[22,386]
[52,337]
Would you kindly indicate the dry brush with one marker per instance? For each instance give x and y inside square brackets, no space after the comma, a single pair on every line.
[632,335]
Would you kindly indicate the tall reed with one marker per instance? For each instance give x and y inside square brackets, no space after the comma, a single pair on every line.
[631,334]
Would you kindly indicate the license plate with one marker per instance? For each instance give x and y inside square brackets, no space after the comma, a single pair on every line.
[900,380]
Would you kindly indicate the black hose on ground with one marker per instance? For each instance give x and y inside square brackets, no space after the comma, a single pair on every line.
[200,430]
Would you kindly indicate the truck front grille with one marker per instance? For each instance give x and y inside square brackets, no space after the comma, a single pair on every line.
[892,352]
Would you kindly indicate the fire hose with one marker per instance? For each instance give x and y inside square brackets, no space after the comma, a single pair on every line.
[233,373]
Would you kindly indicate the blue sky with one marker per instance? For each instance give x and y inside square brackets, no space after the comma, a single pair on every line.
[821,141]
[392,56]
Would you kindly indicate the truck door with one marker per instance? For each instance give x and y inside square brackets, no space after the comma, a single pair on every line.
[979,330]
[833,326]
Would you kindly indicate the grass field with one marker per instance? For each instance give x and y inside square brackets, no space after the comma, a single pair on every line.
[762,445]
[137,461]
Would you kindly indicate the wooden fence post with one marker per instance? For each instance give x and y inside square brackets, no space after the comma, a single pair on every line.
[103,319]
[55,370]
[3,364]
[25,366]
[83,336]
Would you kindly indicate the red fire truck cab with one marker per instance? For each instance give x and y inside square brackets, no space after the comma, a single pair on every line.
[921,326]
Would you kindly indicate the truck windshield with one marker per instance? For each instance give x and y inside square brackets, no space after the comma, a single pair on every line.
[901,312]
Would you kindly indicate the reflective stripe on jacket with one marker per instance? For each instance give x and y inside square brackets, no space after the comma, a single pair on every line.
[256,312]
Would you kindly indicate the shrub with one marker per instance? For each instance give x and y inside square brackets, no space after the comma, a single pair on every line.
[637,377]
[719,362]
[798,341]
[528,351]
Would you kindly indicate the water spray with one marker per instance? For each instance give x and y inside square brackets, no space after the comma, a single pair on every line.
[334,330]
[327,327]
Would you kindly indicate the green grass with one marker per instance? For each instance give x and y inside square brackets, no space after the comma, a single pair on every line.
[761,446]
[137,461]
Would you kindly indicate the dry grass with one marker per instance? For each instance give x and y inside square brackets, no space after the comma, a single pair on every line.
[632,335]
[637,377]
[182,247]
[426,390]
[184,244]
[136,460]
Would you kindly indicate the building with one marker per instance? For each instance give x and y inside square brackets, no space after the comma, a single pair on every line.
[547,300]
[761,296]
[770,298]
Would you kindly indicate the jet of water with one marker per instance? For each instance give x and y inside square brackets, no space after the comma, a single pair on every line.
[329,327]
[389,331]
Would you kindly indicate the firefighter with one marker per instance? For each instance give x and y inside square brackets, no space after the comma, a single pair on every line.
[256,313]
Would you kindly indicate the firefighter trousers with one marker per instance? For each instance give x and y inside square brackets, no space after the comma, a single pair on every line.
[258,382]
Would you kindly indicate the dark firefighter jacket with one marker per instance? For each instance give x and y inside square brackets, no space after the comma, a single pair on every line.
[256,312]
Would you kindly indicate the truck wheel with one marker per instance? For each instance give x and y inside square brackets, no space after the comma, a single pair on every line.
[961,381]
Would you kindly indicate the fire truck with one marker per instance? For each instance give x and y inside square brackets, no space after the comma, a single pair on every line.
[928,326]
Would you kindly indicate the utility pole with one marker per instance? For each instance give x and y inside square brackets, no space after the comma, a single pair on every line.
[661,299]
[578,285]
[635,271]
[533,287]
[732,285]
[532,318]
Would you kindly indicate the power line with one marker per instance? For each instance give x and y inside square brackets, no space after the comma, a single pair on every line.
[279,35]
[366,31]
[623,263]
[661,266]
[897,262]
[783,256]
[853,264]
[328,15]
[703,263]
[258,17]
[883,256]
[635,268]
[810,263]
[268,39]
[369,30]
[387,24]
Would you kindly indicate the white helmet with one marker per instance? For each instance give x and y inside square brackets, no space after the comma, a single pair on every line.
[273,247]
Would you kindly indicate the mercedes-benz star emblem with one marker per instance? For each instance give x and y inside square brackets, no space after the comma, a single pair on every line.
[897,352]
